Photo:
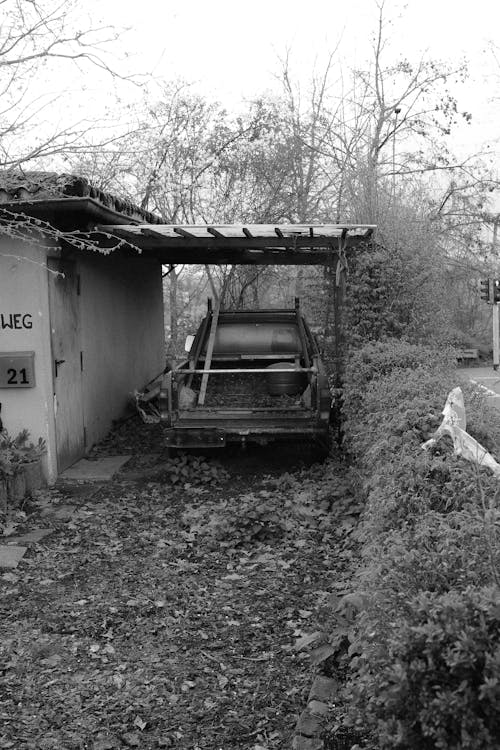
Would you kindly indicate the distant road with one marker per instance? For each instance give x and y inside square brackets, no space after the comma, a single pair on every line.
[488,379]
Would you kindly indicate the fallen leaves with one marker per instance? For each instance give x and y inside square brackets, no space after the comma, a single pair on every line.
[322,653]
[161,622]
[131,739]
[306,640]
[51,661]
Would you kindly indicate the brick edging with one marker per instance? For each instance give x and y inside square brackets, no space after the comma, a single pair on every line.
[309,727]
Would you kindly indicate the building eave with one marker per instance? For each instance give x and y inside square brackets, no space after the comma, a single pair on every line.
[69,213]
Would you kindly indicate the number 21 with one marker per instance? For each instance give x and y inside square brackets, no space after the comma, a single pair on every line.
[13,375]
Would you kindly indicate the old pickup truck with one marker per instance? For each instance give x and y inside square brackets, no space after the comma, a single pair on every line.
[250,376]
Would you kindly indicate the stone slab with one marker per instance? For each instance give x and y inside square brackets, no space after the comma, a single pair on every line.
[99,470]
[309,724]
[10,556]
[307,743]
[32,538]
[323,689]
[318,708]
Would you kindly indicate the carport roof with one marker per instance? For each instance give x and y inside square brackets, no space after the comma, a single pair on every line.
[246,244]
[73,205]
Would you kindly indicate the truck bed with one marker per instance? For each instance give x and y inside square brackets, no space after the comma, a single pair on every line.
[247,390]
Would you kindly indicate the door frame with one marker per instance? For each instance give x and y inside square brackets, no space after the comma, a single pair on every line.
[75,448]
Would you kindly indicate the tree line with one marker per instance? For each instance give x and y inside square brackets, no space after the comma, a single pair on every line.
[368,145]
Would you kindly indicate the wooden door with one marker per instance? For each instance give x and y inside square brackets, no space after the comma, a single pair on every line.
[64,301]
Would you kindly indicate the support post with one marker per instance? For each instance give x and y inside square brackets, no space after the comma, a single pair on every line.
[337,289]
[496,335]
[337,324]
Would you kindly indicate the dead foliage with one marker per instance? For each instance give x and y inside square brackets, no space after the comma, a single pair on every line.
[173,613]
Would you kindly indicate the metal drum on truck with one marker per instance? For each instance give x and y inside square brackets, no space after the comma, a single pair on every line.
[289,383]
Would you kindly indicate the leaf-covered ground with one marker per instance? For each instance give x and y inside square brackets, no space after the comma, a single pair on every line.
[177,612]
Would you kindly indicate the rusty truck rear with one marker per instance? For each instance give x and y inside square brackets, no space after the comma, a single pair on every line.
[253,375]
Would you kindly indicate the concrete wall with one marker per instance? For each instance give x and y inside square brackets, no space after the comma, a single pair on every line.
[122,334]
[24,293]
[122,338]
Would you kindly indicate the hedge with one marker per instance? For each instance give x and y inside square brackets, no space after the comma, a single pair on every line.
[424,656]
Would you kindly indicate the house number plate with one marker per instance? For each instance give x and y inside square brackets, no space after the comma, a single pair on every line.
[17,369]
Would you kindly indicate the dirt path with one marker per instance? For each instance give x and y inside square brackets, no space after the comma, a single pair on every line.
[172,613]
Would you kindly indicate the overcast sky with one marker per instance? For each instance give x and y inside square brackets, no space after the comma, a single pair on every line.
[230,48]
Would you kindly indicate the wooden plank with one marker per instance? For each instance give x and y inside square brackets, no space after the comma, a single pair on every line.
[210,350]
[199,346]
[211,340]
[159,232]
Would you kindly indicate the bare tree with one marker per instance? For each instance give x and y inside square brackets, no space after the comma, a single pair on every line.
[357,145]
[39,40]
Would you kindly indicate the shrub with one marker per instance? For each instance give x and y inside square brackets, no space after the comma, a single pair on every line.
[395,389]
[394,292]
[412,486]
[425,652]
[436,553]
[379,358]
[437,682]
[14,452]
[388,381]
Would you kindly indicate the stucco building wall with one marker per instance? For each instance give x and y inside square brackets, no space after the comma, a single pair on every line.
[25,326]
[122,335]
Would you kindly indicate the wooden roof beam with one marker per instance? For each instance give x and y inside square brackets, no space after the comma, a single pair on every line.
[184,233]
[146,232]
[215,233]
[151,239]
